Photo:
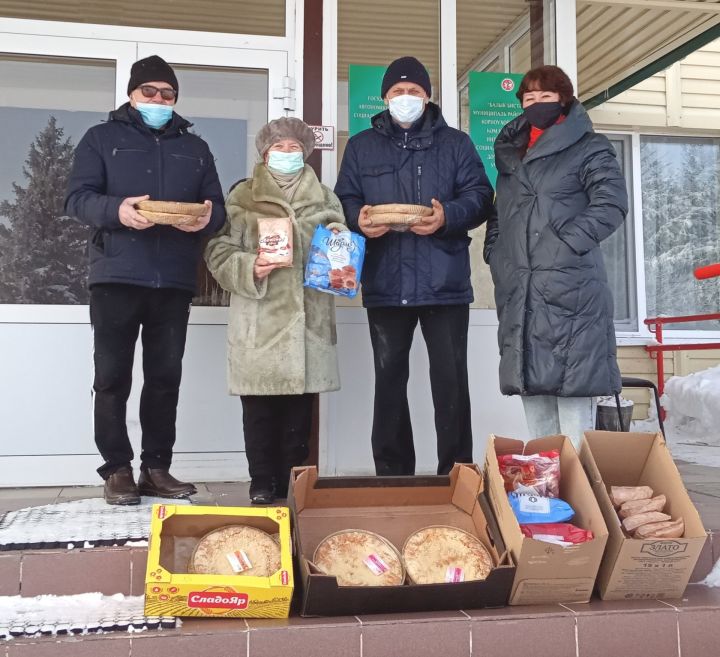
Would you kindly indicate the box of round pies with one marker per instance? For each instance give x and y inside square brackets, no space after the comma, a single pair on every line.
[219,561]
[368,545]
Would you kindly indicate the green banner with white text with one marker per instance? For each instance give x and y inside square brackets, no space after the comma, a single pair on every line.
[492,104]
[364,99]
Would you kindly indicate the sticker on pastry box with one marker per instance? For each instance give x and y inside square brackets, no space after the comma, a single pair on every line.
[376,564]
[239,561]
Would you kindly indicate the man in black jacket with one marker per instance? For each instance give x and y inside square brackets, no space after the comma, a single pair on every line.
[141,274]
[411,156]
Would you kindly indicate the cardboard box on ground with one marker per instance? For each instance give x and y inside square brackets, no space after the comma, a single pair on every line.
[548,573]
[170,590]
[393,507]
[633,568]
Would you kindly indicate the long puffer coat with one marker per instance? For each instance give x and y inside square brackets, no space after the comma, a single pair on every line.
[555,203]
[386,164]
[281,335]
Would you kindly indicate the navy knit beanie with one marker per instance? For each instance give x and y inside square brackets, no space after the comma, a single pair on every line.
[152,69]
[406,69]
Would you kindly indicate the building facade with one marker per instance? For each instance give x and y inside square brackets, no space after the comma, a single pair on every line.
[64,65]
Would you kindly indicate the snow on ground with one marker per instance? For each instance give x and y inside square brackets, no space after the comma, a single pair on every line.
[78,522]
[76,614]
[692,426]
[713,579]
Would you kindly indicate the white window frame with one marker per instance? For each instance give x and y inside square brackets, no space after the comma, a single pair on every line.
[124,45]
[643,335]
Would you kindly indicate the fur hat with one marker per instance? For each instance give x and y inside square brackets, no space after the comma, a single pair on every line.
[406,69]
[152,69]
[286,127]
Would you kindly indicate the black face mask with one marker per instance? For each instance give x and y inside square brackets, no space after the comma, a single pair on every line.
[543,115]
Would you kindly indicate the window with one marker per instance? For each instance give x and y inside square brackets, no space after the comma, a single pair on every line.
[681,227]
[46,105]
[619,251]
[520,54]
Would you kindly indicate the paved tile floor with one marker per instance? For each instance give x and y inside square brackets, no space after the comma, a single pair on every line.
[702,482]
[599,629]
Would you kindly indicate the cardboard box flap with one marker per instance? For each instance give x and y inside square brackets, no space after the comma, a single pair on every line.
[461,488]
[608,445]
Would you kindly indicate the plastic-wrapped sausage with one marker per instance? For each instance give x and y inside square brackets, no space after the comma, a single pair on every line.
[620,494]
[665,529]
[633,522]
[634,507]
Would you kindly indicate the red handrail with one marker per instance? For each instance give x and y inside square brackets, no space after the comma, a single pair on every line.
[655,324]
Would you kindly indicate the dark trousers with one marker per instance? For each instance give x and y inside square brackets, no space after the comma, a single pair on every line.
[445,331]
[277,434]
[117,312]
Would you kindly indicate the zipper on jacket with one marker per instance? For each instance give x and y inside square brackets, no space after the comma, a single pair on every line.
[405,140]
[116,150]
[187,157]
[419,177]
[160,195]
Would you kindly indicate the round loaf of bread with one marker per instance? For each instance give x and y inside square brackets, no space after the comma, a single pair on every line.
[401,208]
[394,218]
[236,550]
[359,558]
[438,554]
[173,207]
[167,219]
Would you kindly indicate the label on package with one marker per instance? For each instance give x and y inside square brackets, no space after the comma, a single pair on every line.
[534,504]
[376,564]
[454,574]
[239,561]
[551,538]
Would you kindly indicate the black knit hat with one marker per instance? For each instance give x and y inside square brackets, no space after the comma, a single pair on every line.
[406,69]
[152,69]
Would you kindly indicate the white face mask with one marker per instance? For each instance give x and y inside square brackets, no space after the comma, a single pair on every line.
[406,108]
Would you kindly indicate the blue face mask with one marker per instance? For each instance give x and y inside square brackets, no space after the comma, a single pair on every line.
[287,163]
[154,115]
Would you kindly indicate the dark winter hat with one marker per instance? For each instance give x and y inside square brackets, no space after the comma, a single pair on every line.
[406,69]
[152,69]
[286,127]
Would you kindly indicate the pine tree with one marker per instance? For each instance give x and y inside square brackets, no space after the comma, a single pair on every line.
[680,208]
[42,252]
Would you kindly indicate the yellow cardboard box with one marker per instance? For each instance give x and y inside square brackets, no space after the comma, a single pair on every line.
[171,591]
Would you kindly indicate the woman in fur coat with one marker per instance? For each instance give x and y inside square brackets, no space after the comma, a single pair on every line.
[281,335]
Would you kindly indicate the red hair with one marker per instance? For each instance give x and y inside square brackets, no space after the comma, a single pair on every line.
[547,78]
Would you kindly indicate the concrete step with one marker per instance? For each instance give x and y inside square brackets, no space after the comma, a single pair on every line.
[650,628]
[107,570]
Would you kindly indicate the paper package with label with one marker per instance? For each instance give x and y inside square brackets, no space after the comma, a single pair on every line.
[275,240]
[335,262]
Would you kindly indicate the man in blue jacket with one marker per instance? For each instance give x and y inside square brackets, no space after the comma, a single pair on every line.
[141,274]
[410,155]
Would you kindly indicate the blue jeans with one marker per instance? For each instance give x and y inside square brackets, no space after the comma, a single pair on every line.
[571,416]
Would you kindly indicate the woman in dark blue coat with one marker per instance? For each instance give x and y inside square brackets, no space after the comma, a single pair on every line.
[560,192]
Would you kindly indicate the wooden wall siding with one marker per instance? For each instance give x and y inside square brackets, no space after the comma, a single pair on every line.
[616,41]
[378,31]
[263,17]
[686,96]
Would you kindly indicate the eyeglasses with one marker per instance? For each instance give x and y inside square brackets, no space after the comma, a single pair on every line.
[166,93]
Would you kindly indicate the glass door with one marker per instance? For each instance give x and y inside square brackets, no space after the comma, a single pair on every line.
[228,96]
